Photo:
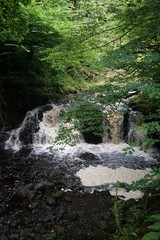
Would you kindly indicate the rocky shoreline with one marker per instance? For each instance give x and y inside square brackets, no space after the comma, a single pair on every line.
[41,200]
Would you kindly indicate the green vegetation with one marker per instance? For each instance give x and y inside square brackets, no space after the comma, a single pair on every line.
[51,48]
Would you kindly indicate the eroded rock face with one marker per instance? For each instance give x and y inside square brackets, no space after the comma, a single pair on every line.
[30,127]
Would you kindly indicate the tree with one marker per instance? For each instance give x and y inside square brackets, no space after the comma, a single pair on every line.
[138,38]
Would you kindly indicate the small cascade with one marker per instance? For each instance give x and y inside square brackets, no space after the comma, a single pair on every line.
[113,129]
[135,135]
[13,142]
[41,125]
[23,135]
[48,127]
[113,123]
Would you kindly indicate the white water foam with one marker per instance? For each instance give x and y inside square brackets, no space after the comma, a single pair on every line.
[100,175]
[95,149]
[13,141]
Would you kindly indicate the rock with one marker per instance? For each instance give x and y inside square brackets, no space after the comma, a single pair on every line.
[13,224]
[50,201]
[42,186]
[40,115]
[2,237]
[26,191]
[39,196]
[87,156]
[47,108]
[26,231]
[33,205]
[49,218]
[58,194]
[30,127]
[60,214]
[71,216]
[68,199]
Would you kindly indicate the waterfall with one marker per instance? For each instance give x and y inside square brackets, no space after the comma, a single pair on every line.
[135,135]
[113,129]
[41,125]
[104,162]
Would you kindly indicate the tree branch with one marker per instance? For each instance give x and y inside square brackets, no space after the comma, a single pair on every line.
[124,34]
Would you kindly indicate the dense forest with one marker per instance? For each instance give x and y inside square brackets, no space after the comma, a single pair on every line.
[49,49]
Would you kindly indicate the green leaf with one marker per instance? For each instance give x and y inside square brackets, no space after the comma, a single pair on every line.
[155,226]
[152,236]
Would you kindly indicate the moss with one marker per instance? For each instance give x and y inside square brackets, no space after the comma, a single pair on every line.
[143,104]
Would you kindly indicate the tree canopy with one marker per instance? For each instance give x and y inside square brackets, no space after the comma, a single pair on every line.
[48,46]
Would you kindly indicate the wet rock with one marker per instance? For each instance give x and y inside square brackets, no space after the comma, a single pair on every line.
[88,156]
[30,127]
[43,186]
[47,108]
[71,216]
[50,201]
[49,218]
[34,205]
[68,199]
[26,191]
[26,231]
[60,214]
[39,196]
[58,194]
[40,115]
[13,224]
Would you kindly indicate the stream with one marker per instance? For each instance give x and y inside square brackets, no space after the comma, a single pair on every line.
[29,167]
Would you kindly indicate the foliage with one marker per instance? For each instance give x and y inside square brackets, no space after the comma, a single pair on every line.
[154,228]
[129,150]
[13,18]
[137,38]
[50,236]
[79,119]
[129,230]
[149,181]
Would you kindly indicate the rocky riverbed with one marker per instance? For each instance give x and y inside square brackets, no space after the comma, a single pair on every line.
[41,197]
[34,202]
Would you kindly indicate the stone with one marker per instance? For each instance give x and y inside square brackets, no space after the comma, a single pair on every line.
[33,205]
[50,201]
[47,108]
[68,199]
[42,186]
[58,194]
[25,191]
[87,156]
[49,218]
[2,237]
[71,216]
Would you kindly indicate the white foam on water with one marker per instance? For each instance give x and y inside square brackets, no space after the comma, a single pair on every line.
[103,148]
[123,194]
[13,141]
[100,175]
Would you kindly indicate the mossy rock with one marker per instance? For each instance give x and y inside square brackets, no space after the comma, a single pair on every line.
[143,104]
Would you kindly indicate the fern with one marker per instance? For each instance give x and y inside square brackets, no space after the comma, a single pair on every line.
[149,181]
[154,234]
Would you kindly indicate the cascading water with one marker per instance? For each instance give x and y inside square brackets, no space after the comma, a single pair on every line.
[40,127]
